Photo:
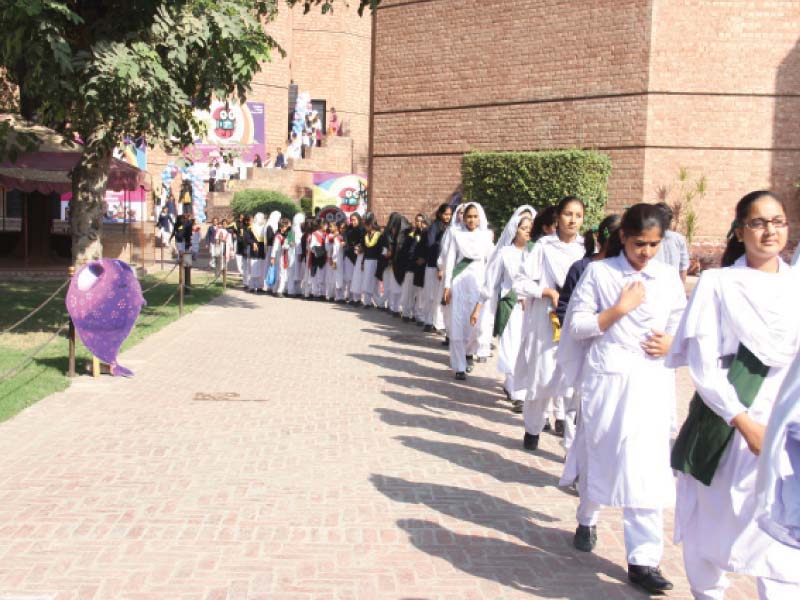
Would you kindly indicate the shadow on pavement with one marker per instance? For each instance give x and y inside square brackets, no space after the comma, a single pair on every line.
[529,569]
[481,460]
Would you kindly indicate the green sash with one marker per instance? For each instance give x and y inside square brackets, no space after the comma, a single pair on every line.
[705,435]
[290,237]
[460,266]
[505,306]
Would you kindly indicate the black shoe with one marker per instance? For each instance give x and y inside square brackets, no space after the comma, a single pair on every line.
[530,442]
[547,426]
[559,429]
[420,323]
[367,306]
[470,364]
[446,342]
[649,579]
[585,538]
[481,359]
[406,319]
[427,329]
[508,396]
[461,376]
[517,406]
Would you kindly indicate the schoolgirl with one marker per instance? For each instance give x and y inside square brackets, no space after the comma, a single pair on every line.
[354,240]
[739,336]
[464,271]
[256,237]
[627,307]
[413,257]
[374,249]
[434,281]
[396,229]
[273,223]
[331,249]
[539,284]
[280,257]
[296,262]
[340,260]
[506,262]
[317,258]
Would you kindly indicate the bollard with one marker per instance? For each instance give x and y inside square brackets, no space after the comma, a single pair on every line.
[224,265]
[180,284]
[71,337]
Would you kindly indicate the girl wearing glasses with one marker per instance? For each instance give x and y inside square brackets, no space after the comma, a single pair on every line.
[738,337]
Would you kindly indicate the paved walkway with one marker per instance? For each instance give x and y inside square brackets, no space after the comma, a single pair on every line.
[278,449]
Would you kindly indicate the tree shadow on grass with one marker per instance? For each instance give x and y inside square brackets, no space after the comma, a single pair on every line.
[481,460]
[532,569]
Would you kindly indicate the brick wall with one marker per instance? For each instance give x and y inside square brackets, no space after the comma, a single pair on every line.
[452,76]
[657,84]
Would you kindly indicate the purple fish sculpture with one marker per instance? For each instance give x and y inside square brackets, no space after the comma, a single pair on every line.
[104,300]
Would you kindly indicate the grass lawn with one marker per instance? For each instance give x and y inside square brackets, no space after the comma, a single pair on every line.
[47,372]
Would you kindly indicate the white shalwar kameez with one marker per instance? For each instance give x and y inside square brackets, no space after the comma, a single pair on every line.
[465,287]
[622,449]
[534,374]
[778,483]
[296,261]
[280,256]
[717,524]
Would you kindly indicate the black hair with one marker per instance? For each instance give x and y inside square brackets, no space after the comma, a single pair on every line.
[593,241]
[545,218]
[735,248]
[369,219]
[564,202]
[636,220]
[441,210]
[666,210]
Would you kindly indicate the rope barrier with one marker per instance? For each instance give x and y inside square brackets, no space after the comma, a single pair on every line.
[27,360]
[160,281]
[37,309]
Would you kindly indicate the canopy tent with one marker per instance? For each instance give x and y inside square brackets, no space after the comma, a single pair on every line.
[47,169]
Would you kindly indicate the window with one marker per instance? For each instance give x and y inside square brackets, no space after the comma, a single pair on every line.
[10,210]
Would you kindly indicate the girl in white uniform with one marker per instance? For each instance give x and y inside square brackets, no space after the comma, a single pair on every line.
[296,261]
[280,258]
[506,262]
[464,272]
[354,239]
[739,337]
[434,278]
[374,249]
[539,283]
[627,306]
[257,236]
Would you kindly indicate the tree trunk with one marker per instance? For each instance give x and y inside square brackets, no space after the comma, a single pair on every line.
[89,179]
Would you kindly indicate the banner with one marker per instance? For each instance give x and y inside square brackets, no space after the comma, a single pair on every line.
[232,129]
[118,207]
[344,190]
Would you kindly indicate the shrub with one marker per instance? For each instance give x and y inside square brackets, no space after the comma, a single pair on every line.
[502,181]
[250,202]
[307,205]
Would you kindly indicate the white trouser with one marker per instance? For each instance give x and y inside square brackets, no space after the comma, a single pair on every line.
[243,266]
[534,414]
[318,282]
[368,281]
[708,582]
[409,298]
[330,282]
[555,407]
[643,529]
[571,404]
[281,281]
[392,290]
[349,269]
[433,298]
[458,354]
[258,271]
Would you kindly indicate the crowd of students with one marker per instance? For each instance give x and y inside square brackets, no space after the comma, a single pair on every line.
[590,329]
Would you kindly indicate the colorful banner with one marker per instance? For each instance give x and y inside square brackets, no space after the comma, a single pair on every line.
[118,207]
[344,190]
[133,151]
[232,129]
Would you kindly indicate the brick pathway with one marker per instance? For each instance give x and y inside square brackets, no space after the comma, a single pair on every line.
[272,449]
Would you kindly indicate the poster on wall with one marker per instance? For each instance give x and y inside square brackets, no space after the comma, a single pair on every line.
[345,190]
[232,129]
[118,207]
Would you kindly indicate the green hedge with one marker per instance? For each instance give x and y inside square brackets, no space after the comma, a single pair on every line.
[250,202]
[502,181]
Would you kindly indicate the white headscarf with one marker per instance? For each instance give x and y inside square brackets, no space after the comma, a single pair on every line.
[510,230]
[473,244]
[259,226]
[297,224]
[274,220]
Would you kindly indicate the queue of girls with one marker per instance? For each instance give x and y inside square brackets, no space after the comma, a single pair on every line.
[592,328]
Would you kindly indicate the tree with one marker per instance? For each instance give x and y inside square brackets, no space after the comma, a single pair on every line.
[98,70]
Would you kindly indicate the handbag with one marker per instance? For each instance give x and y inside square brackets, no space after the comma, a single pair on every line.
[271,276]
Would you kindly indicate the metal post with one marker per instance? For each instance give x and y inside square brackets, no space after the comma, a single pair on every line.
[71,337]
[180,284]
[224,265]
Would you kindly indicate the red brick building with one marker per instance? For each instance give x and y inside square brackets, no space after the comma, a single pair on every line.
[713,87]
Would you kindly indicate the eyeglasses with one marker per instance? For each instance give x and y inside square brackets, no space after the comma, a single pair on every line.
[761,224]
